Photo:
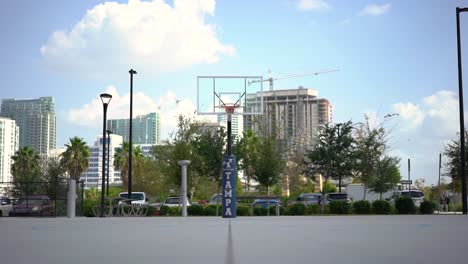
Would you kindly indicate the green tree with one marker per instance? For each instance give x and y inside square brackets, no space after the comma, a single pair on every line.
[452,152]
[148,177]
[121,161]
[387,175]
[333,155]
[53,175]
[26,169]
[246,152]
[75,158]
[269,164]
[182,146]
[370,146]
[210,147]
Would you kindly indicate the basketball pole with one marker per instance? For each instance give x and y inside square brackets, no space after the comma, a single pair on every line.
[229,141]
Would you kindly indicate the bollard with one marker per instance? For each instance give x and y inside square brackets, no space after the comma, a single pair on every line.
[71,199]
[184,164]
[277,209]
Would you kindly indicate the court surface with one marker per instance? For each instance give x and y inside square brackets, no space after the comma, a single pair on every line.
[319,239]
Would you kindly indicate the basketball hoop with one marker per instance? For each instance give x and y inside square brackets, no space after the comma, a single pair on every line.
[229,108]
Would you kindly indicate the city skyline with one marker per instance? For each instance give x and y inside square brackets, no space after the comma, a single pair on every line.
[146,128]
[36,121]
[393,57]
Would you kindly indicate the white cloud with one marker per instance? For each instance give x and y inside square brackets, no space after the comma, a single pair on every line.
[437,113]
[306,5]
[150,36]
[443,113]
[411,114]
[375,10]
[168,105]
[422,130]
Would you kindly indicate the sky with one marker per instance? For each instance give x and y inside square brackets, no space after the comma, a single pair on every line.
[393,57]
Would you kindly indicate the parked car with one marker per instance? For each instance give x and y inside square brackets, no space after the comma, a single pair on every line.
[5,206]
[174,201]
[32,205]
[309,198]
[138,197]
[329,197]
[264,203]
[416,195]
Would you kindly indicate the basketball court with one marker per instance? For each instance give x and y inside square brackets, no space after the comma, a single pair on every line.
[206,240]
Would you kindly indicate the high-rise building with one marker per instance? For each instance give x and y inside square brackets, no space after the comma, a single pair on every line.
[9,144]
[289,115]
[146,129]
[93,175]
[36,121]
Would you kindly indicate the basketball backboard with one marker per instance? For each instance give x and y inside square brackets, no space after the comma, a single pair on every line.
[215,92]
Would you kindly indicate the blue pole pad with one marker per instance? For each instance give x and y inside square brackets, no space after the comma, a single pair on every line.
[229,187]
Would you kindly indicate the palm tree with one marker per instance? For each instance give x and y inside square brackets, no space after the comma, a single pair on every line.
[25,169]
[121,158]
[75,158]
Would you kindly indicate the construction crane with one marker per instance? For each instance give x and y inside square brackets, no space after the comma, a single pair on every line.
[271,79]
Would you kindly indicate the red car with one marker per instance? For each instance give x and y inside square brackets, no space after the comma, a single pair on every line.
[32,206]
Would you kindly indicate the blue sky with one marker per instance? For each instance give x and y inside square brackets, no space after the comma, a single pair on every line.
[393,56]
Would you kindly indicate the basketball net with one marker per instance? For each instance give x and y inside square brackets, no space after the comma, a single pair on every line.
[229,108]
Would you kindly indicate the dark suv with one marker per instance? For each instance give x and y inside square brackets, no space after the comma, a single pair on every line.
[33,206]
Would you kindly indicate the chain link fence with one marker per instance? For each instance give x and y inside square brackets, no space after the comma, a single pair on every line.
[40,198]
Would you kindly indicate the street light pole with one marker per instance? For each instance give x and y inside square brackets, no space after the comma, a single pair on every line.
[105,98]
[108,161]
[130,148]
[462,118]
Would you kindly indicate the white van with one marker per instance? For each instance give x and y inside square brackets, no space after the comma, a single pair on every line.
[137,197]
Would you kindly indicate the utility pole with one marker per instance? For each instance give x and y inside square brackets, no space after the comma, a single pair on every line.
[409,177]
[462,118]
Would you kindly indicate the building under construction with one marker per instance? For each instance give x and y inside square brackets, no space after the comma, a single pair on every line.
[292,116]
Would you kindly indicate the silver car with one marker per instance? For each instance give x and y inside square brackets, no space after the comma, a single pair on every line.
[310,198]
[329,197]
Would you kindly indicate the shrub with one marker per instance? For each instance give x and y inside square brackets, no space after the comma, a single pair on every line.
[195,210]
[381,207]
[151,211]
[260,211]
[174,211]
[273,210]
[88,207]
[405,205]
[164,210]
[210,210]
[296,209]
[427,207]
[313,209]
[243,210]
[340,207]
[362,207]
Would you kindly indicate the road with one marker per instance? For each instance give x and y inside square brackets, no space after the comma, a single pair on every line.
[320,239]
